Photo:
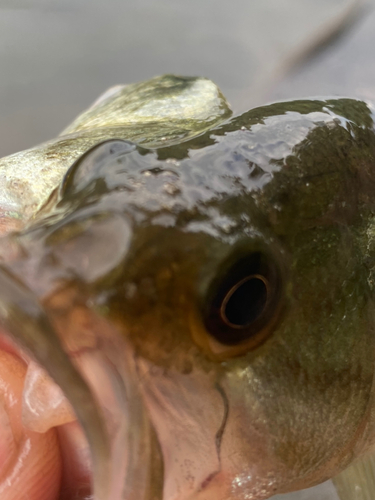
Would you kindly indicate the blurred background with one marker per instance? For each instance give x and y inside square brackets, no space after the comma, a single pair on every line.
[58,56]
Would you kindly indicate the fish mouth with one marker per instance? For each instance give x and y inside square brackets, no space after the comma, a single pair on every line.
[74,423]
[47,453]
[86,403]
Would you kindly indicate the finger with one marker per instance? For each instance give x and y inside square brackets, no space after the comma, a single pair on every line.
[30,462]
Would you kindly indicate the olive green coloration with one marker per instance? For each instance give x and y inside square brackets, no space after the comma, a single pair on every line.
[156,238]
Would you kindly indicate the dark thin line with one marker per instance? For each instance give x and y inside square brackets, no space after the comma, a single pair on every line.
[220,432]
[218,436]
[319,174]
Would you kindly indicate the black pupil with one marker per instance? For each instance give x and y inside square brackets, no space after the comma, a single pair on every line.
[245,303]
[242,302]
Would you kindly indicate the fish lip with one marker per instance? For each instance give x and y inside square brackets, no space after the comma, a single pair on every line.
[23,316]
[83,483]
[125,421]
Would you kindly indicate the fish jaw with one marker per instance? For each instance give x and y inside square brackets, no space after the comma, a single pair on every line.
[106,361]
[205,453]
[52,327]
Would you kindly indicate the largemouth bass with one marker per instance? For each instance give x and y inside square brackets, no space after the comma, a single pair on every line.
[202,290]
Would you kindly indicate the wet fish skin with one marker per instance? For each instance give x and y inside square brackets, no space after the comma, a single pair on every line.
[164,110]
[287,188]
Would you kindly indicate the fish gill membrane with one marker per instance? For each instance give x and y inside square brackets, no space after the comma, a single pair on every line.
[201,288]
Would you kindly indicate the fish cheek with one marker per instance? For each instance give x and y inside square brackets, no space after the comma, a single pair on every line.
[151,297]
[313,379]
[289,424]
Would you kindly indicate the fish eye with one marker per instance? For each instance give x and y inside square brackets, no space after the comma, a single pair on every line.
[243,303]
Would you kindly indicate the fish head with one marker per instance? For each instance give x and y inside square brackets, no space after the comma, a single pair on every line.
[227,282]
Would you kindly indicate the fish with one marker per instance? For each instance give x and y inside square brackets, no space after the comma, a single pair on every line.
[201,288]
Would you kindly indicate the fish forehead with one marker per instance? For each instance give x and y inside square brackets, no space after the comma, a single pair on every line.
[259,156]
[215,164]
